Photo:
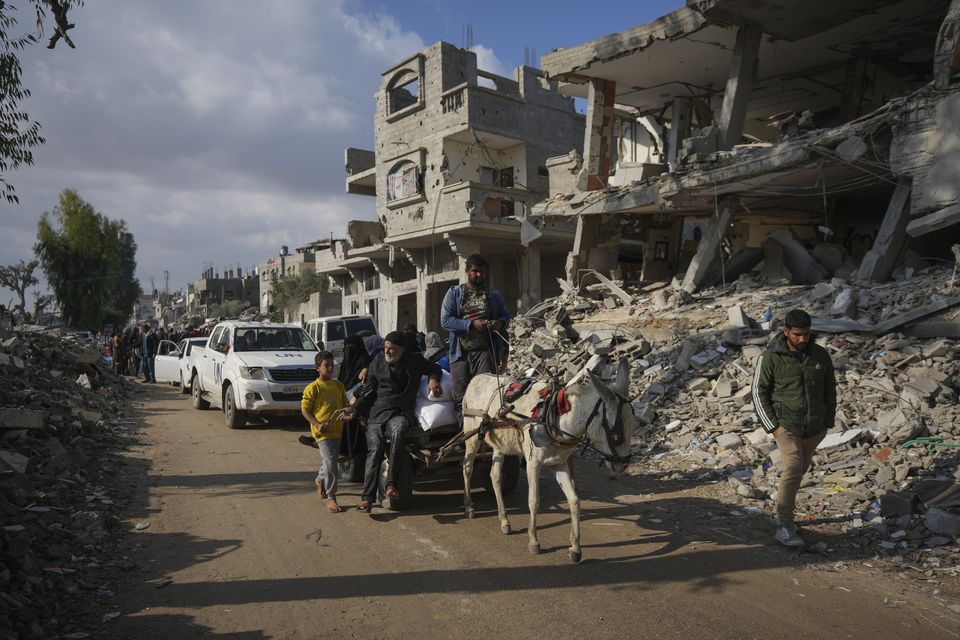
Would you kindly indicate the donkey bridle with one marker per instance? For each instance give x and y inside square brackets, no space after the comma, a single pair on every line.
[614,435]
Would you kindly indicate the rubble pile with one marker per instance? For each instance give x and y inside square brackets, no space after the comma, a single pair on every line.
[888,471]
[60,418]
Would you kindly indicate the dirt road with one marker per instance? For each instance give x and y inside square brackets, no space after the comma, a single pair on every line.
[239,546]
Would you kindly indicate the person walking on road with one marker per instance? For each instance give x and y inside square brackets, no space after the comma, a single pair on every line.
[795,394]
[324,405]
[387,397]
[474,314]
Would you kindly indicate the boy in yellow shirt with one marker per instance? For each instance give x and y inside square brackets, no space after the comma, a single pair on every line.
[325,406]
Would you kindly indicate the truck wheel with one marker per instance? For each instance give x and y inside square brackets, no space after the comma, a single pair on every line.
[351,469]
[509,476]
[198,401]
[404,485]
[185,390]
[235,418]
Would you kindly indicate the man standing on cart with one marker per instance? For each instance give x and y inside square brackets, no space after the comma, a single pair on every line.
[475,316]
[388,397]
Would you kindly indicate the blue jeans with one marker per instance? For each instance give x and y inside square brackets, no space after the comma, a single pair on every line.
[148,373]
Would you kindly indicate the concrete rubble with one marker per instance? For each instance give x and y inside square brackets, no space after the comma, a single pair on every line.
[60,424]
[887,474]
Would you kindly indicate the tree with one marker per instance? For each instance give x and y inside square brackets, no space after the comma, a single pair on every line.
[18,278]
[288,293]
[89,262]
[18,133]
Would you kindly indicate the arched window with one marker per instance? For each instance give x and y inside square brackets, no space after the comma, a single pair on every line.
[403,181]
[403,92]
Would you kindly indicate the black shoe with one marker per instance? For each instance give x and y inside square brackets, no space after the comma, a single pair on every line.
[309,441]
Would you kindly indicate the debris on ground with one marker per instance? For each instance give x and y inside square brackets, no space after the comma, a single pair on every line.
[61,419]
[886,475]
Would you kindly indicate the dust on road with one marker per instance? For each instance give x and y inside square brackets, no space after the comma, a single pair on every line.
[240,546]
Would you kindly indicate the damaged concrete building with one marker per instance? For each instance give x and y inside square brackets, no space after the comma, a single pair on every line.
[804,140]
[459,160]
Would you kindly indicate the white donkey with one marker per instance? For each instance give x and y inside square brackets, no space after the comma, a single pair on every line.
[599,416]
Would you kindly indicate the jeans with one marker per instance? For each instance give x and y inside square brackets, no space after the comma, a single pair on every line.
[148,373]
[136,366]
[796,454]
[395,428]
[462,372]
[329,471]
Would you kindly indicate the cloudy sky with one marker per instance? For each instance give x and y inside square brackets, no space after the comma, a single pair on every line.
[216,128]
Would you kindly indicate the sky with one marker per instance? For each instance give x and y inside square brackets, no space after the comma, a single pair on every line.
[216,128]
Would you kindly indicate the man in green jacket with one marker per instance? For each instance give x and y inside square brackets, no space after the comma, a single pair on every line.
[795,394]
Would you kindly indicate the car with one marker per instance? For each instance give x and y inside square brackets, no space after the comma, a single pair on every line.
[174,362]
[330,331]
[253,369]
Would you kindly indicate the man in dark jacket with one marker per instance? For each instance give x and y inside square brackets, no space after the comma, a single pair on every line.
[474,314]
[387,398]
[795,394]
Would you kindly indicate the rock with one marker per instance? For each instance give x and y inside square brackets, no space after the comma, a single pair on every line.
[690,347]
[839,439]
[729,441]
[725,388]
[698,384]
[673,426]
[737,317]
[14,461]
[942,521]
[845,303]
[898,503]
[758,437]
[84,381]
[822,291]
[23,419]
[704,358]
[937,349]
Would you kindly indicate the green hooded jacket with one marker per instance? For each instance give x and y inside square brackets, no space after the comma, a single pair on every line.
[795,390]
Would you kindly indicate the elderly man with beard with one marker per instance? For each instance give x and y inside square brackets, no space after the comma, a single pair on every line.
[795,394]
[387,398]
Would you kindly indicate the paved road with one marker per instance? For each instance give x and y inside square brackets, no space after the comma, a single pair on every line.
[239,546]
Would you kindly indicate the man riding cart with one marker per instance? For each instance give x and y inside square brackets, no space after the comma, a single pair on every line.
[388,398]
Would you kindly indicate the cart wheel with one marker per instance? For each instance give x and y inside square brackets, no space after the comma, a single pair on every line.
[404,485]
[509,476]
[351,469]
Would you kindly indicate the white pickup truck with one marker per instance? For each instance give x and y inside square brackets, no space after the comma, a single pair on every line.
[253,368]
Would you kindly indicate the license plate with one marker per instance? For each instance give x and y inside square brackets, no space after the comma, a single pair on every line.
[293,388]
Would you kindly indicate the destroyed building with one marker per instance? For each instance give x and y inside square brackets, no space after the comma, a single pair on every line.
[288,265]
[459,159]
[215,288]
[806,140]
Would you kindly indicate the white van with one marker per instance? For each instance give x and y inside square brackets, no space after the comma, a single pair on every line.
[331,330]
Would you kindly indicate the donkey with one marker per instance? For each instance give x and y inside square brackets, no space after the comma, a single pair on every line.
[600,417]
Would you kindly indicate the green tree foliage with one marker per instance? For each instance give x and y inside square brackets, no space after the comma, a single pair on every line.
[18,278]
[89,261]
[18,133]
[290,292]
[229,309]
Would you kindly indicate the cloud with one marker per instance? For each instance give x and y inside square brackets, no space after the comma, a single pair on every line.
[487,60]
[215,129]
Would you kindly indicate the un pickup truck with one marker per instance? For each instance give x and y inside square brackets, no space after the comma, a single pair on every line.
[253,368]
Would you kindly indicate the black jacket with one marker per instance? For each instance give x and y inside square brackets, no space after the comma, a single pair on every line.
[392,390]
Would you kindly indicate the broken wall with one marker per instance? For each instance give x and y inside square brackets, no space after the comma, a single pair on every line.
[926,147]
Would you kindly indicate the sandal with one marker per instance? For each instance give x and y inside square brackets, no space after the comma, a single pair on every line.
[320,489]
[333,507]
[391,492]
[364,507]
